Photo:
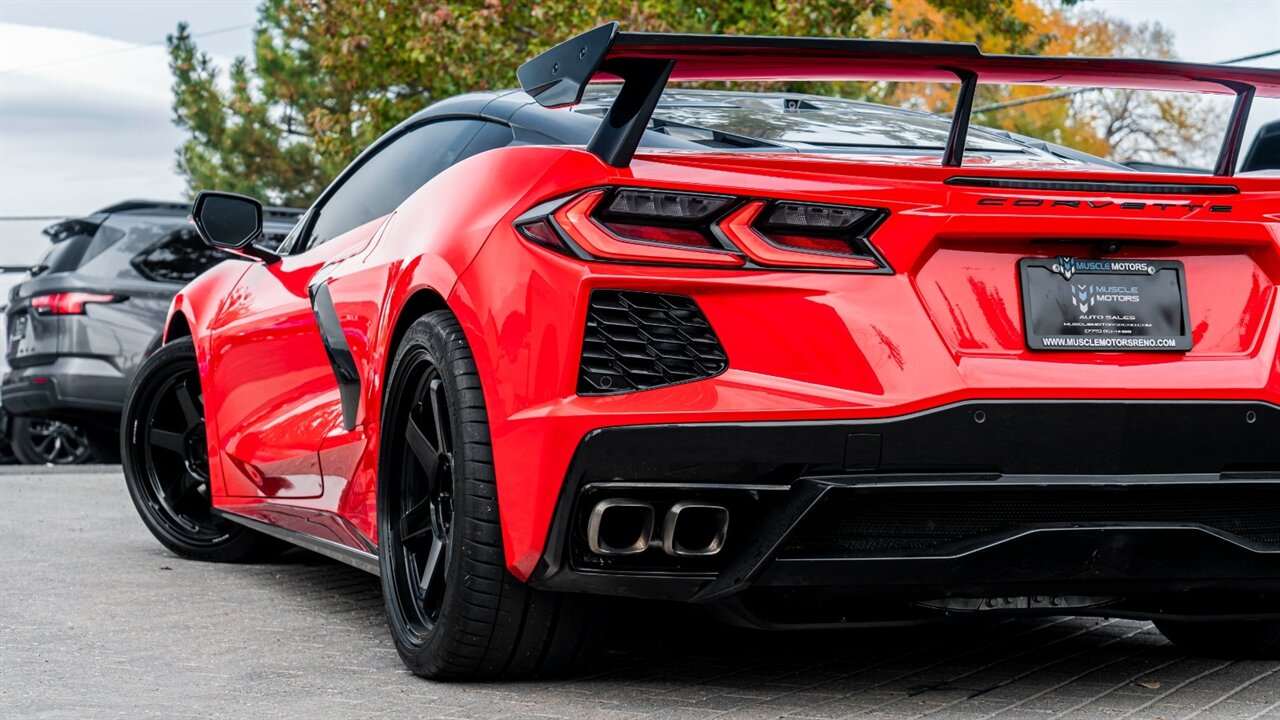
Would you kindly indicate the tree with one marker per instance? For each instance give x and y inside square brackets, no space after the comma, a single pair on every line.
[1117,124]
[330,76]
[1137,125]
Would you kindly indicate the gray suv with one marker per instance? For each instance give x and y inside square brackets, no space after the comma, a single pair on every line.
[79,326]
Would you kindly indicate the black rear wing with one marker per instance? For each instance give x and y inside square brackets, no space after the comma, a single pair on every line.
[645,62]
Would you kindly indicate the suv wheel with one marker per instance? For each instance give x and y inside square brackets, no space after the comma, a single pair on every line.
[454,610]
[46,441]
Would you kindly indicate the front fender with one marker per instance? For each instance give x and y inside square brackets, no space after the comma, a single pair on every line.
[192,311]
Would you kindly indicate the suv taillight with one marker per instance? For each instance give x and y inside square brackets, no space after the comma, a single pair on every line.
[679,228]
[70,303]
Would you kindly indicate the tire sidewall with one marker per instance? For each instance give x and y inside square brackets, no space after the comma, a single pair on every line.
[426,335]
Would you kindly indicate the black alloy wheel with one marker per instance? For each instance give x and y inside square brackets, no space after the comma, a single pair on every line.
[176,457]
[166,461]
[454,610]
[50,441]
[424,503]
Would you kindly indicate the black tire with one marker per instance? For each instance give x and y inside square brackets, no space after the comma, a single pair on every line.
[165,462]
[470,619]
[1229,640]
[52,441]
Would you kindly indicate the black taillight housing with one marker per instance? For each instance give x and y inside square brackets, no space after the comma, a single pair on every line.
[644,225]
[807,227]
[666,218]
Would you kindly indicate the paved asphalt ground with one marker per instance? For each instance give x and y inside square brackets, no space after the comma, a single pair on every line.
[98,621]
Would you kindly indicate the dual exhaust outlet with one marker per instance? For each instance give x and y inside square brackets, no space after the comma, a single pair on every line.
[619,526]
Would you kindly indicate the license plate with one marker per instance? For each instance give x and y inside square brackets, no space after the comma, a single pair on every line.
[1104,305]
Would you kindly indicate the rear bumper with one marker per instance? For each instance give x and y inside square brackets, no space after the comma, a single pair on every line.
[1143,502]
[68,384]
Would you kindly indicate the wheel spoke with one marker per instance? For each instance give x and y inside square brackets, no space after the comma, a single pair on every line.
[167,440]
[187,400]
[426,453]
[415,526]
[73,444]
[432,577]
[440,414]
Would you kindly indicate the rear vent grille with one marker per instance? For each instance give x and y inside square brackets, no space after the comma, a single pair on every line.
[640,340]
[895,523]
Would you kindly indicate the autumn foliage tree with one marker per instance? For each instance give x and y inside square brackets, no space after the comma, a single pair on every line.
[330,76]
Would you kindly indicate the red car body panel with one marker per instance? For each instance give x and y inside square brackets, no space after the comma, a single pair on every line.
[946,326]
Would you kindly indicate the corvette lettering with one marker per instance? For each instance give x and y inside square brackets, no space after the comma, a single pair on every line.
[1100,204]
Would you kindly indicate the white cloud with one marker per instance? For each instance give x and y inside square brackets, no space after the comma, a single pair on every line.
[84,122]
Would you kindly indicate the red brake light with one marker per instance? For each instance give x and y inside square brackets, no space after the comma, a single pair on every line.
[71,303]
[814,244]
[683,237]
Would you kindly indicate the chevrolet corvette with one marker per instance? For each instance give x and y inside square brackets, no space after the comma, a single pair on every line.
[807,362]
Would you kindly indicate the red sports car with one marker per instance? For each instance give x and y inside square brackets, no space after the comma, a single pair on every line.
[807,361]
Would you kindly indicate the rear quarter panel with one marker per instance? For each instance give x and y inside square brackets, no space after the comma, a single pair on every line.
[420,251]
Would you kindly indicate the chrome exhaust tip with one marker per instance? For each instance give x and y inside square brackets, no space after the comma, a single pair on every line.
[693,529]
[618,526]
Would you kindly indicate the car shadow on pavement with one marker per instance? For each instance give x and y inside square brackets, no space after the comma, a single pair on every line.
[978,660]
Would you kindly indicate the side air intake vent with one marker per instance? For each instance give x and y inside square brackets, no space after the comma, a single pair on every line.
[640,340]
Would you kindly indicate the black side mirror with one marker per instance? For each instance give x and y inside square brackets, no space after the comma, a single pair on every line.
[230,222]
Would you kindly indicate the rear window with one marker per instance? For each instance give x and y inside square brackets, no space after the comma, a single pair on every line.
[810,123]
[163,249]
[64,255]
[180,257]
[828,123]
[1117,129]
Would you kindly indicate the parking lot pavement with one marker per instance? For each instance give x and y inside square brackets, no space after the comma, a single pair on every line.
[97,620]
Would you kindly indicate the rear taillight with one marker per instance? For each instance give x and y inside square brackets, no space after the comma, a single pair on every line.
[679,228]
[71,303]
[783,234]
[665,218]
[582,222]
[541,232]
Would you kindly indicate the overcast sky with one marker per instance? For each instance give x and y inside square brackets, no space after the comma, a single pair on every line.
[85,102]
